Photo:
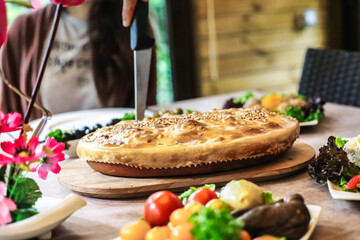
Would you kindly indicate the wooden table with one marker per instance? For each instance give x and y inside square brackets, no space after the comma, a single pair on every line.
[102,219]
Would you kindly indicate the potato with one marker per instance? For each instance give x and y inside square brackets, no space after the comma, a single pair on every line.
[241,194]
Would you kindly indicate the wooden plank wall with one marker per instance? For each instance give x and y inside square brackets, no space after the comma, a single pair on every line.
[257,46]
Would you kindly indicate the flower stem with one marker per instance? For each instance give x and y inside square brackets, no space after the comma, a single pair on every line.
[10,180]
[39,78]
[12,190]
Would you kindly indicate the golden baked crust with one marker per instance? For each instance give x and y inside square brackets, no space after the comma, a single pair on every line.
[176,141]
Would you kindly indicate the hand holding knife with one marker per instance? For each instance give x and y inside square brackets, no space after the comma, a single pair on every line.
[141,44]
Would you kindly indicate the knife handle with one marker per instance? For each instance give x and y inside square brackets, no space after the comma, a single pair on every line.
[139,27]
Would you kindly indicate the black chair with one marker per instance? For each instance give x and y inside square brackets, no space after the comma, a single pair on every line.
[333,75]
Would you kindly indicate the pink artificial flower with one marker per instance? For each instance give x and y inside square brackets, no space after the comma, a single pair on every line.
[50,162]
[3,23]
[10,122]
[36,3]
[68,3]
[6,205]
[20,151]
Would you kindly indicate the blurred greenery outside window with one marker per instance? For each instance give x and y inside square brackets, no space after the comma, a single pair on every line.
[159,22]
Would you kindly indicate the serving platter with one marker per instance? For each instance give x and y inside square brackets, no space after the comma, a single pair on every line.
[80,178]
[80,119]
[314,211]
[337,193]
[310,123]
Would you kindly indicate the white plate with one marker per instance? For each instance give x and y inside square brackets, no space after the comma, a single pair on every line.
[314,218]
[311,123]
[337,193]
[52,212]
[80,119]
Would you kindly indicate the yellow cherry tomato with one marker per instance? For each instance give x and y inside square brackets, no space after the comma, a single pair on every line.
[182,232]
[271,101]
[135,231]
[158,233]
[218,204]
[194,207]
[179,216]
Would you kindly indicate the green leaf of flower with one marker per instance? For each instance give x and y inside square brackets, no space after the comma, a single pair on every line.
[25,193]
[21,214]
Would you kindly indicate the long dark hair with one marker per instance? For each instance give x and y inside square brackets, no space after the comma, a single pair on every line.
[110,48]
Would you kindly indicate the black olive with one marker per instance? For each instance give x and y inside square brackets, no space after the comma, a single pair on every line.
[87,131]
[68,136]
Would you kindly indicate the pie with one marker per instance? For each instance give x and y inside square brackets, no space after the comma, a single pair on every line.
[221,139]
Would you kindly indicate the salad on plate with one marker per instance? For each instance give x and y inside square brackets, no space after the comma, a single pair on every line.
[240,211]
[304,109]
[338,163]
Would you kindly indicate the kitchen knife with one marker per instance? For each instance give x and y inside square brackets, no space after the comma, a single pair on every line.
[141,44]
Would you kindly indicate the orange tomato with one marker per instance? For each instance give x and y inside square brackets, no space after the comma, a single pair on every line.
[182,232]
[157,233]
[271,101]
[135,231]
[266,237]
[180,216]
[244,235]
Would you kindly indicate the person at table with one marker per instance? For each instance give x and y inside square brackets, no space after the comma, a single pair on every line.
[90,65]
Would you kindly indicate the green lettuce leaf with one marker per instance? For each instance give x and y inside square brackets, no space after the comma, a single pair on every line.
[185,195]
[340,142]
[314,116]
[244,98]
[59,137]
[128,116]
[268,197]
[295,113]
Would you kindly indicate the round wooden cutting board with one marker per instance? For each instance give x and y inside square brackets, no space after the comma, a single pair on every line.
[80,178]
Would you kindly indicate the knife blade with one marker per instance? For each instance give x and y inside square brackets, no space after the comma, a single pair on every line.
[141,44]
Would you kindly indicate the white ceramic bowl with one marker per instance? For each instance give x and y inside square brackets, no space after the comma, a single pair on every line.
[71,152]
[52,212]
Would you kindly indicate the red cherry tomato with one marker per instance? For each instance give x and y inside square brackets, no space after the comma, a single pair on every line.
[202,195]
[159,206]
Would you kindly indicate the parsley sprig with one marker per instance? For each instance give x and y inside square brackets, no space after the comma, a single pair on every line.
[215,224]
